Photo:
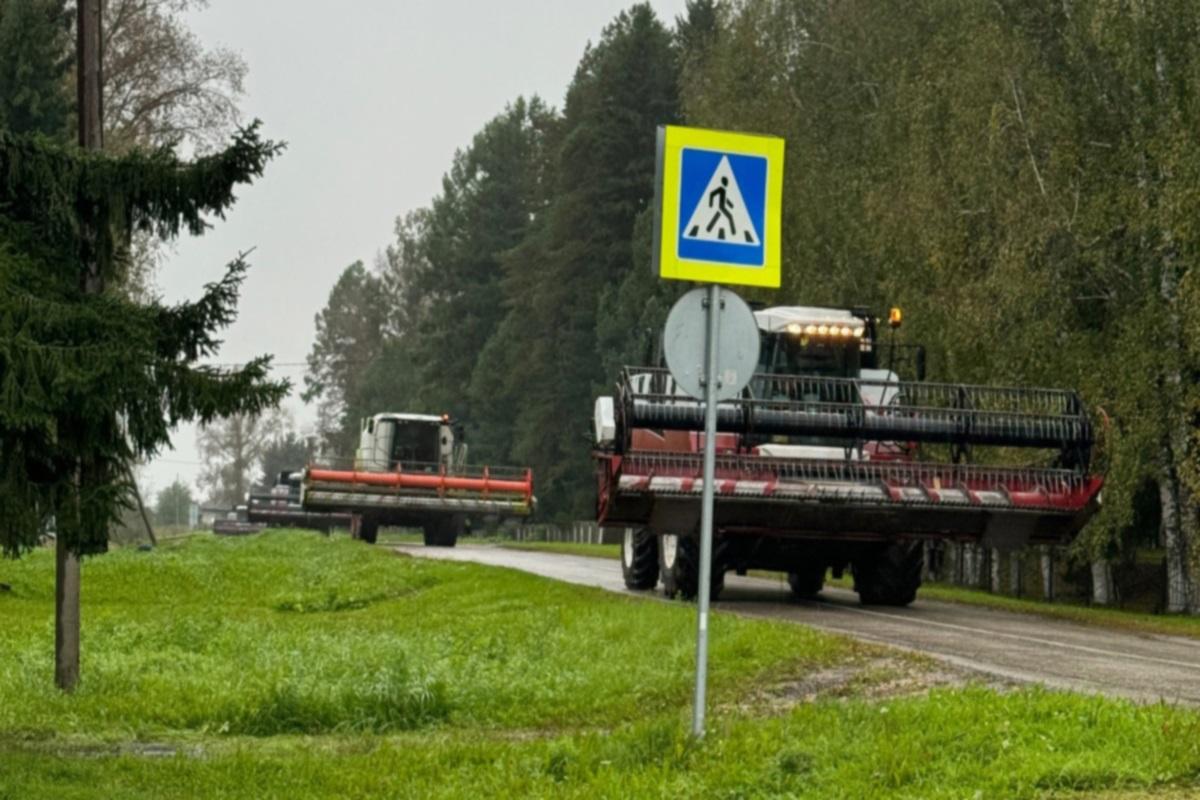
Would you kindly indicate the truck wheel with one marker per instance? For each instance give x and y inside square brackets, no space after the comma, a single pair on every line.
[889,575]
[368,530]
[807,581]
[639,559]
[679,563]
[443,532]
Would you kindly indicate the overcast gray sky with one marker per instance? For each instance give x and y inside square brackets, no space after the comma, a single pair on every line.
[373,97]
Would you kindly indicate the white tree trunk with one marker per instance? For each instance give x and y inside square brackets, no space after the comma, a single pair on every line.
[1102,589]
[972,555]
[996,582]
[1174,542]
[1189,525]
[1048,574]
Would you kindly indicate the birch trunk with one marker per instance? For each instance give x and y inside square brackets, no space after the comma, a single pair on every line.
[1102,593]
[972,555]
[1173,542]
[1047,560]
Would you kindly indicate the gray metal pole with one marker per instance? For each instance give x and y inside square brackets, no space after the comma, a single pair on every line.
[706,508]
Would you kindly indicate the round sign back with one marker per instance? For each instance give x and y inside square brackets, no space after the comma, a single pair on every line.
[737,343]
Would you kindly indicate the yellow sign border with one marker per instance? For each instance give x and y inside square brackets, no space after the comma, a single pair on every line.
[672,139]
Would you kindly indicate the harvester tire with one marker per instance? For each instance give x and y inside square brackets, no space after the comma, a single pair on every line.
[679,563]
[639,558]
[889,575]
[444,532]
[368,530]
[808,581]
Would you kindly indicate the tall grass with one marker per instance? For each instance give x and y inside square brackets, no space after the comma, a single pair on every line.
[292,666]
[296,633]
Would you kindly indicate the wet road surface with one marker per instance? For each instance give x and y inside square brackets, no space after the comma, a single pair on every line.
[1006,645]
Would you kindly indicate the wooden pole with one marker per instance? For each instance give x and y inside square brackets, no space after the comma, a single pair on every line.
[91,137]
[137,494]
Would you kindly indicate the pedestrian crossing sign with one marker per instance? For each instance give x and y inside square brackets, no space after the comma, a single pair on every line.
[717,206]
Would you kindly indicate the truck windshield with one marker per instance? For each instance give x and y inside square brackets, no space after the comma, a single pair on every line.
[414,442]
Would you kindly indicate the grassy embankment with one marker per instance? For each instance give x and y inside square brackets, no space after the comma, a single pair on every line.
[290,665]
[1138,622]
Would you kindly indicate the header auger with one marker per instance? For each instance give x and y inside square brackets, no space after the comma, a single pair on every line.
[827,460]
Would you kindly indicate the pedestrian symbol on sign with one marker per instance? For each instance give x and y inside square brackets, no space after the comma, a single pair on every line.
[721,214]
[717,206]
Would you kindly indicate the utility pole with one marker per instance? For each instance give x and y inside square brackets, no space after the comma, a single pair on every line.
[91,137]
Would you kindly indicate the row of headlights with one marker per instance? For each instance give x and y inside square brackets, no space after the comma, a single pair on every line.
[825,330]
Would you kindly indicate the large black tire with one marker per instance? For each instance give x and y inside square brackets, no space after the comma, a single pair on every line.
[679,564]
[808,580]
[889,575]
[368,530]
[444,532]
[639,558]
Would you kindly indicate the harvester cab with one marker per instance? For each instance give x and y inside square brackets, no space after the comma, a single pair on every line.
[415,442]
[835,457]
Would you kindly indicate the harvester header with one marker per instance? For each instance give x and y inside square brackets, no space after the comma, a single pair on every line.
[829,459]
[411,470]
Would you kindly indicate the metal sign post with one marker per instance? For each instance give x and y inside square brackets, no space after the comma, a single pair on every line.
[711,343]
[717,221]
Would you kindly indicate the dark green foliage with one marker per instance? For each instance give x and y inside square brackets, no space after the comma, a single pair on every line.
[450,268]
[1020,176]
[35,58]
[543,364]
[89,383]
[349,344]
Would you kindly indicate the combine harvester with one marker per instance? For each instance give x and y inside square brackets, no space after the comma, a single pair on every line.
[410,470]
[829,461]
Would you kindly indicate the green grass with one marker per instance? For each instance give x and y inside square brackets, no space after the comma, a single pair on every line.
[292,665]
[1170,624]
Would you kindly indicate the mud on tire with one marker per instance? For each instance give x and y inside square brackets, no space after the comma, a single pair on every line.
[889,575]
[639,558]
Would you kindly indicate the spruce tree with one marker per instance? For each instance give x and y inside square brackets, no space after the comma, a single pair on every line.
[91,382]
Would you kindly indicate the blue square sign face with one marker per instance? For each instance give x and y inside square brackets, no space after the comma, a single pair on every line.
[722,203]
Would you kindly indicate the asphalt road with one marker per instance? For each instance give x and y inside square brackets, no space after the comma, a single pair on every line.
[1010,646]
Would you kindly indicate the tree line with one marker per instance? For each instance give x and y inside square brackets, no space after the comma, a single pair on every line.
[1020,177]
